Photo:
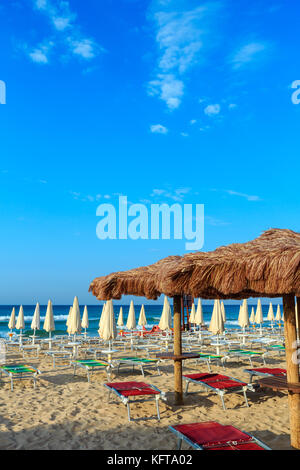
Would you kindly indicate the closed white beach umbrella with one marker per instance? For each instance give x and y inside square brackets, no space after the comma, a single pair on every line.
[193,314]
[20,325]
[109,329]
[131,321]
[12,319]
[199,320]
[243,319]
[108,326]
[223,312]
[270,316]
[142,318]
[49,320]
[36,321]
[165,322]
[259,315]
[216,325]
[85,318]
[75,320]
[120,321]
[278,313]
[252,316]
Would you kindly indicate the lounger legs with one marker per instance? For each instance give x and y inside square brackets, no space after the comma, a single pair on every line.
[128,411]
[246,399]
[186,388]
[157,409]
[223,403]
[179,442]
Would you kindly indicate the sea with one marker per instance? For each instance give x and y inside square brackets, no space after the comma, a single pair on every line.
[153,313]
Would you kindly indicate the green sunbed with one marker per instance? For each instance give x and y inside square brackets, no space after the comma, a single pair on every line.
[20,371]
[209,358]
[141,362]
[247,353]
[91,365]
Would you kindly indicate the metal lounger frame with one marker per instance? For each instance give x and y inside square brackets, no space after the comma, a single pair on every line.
[141,365]
[181,437]
[126,400]
[90,370]
[221,392]
[21,376]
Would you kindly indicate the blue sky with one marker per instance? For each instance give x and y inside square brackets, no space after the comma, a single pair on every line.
[162,101]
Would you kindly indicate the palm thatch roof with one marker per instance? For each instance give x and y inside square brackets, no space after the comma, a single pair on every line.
[268,266]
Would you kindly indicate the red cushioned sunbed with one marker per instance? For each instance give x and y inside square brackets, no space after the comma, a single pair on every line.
[266,372]
[214,436]
[127,391]
[218,383]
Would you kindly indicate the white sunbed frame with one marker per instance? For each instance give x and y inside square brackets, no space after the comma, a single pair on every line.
[126,400]
[181,437]
[219,391]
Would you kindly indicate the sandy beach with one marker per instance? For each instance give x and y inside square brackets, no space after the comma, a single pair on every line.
[65,412]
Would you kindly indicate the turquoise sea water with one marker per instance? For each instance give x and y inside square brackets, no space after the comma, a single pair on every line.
[153,313]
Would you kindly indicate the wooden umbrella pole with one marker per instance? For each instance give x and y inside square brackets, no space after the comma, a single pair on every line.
[292,366]
[298,316]
[177,350]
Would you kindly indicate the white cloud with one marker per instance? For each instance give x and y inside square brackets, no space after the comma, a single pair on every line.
[66,34]
[212,109]
[179,36]
[158,129]
[184,134]
[176,195]
[169,89]
[247,54]
[85,48]
[246,196]
[232,106]
[37,55]
[193,121]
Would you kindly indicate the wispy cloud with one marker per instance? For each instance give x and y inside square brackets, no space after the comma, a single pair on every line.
[243,195]
[158,129]
[247,54]
[212,109]
[176,194]
[180,32]
[66,34]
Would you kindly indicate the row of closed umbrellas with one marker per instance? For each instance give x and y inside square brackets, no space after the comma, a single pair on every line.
[107,326]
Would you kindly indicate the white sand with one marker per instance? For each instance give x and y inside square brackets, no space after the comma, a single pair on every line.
[65,412]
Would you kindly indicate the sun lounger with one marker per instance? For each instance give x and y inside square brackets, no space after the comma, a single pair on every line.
[91,365]
[265,372]
[140,362]
[28,349]
[248,354]
[279,348]
[220,384]
[215,436]
[19,371]
[210,358]
[59,356]
[135,391]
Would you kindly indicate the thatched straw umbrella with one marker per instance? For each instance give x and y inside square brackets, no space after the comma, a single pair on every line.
[268,266]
